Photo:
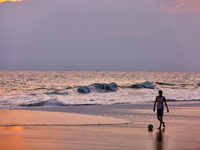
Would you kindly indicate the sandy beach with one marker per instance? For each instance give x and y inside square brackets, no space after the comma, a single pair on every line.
[101,127]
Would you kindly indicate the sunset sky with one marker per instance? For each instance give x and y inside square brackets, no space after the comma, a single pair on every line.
[116,35]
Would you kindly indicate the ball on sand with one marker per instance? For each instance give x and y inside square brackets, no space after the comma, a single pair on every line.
[150,126]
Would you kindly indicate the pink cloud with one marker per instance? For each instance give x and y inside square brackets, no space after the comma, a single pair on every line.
[185,7]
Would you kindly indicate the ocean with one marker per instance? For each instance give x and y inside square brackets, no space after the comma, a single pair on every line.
[19,89]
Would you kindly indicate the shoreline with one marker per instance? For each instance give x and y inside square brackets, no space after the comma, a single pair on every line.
[99,109]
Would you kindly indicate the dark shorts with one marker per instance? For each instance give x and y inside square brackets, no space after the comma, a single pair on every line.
[159,112]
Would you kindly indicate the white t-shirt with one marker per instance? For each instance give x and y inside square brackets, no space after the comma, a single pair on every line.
[160,101]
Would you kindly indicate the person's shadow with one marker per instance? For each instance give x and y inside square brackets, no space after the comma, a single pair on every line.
[159,140]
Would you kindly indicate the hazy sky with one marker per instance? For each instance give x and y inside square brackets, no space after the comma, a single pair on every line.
[132,35]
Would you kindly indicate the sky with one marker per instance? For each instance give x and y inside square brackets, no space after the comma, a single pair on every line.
[108,35]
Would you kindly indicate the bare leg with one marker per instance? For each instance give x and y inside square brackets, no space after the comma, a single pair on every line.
[158,118]
[160,122]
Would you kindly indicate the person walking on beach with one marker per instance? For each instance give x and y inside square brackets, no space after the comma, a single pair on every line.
[160,107]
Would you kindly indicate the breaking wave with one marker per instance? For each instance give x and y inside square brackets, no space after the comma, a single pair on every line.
[99,87]
[147,85]
[57,93]
[84,89]
[52,102]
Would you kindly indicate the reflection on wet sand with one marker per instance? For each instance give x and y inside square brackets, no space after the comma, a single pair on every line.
[11,138]
[159,140]
[17,128]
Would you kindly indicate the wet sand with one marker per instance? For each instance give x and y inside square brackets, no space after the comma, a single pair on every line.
[47,118]
[182,128]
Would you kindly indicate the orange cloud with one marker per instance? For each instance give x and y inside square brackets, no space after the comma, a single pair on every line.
[1,1]
[185,7]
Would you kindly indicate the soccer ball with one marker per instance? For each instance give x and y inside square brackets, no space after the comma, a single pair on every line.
[150,126]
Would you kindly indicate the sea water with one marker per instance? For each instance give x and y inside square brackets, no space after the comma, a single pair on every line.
[65,88]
